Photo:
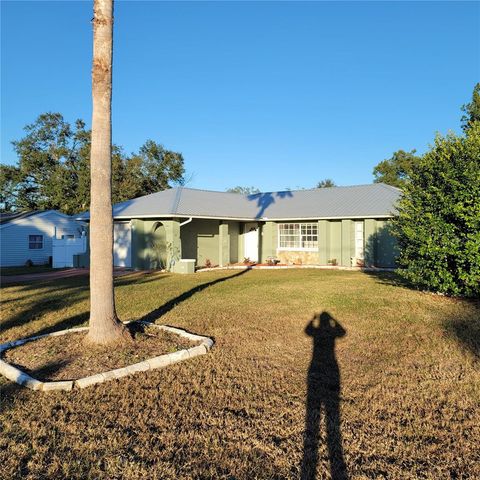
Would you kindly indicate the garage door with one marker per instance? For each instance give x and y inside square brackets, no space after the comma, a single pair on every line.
[122,244]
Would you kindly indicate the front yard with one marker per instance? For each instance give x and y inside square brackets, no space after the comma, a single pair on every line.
[397,371]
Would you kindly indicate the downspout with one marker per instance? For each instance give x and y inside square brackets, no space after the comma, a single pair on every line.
[185,222]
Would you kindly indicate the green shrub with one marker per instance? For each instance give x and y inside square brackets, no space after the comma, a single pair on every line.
[438,226]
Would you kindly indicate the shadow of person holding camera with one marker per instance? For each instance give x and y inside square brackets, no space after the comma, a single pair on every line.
[323,398]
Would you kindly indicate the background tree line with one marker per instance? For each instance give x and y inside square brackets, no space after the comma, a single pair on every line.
[53,168]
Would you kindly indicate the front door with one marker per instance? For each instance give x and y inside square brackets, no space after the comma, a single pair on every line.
[250,238]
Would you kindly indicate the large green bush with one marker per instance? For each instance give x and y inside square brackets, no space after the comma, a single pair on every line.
[438,226]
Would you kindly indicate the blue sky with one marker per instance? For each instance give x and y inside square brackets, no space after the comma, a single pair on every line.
[273,95]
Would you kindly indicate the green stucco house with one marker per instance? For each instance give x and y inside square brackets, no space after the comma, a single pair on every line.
[346,226]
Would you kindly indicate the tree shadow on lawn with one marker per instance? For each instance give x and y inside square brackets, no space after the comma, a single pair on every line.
[166,307]
[61,293]
[466,329]
[10,391]
[83,280]
[44,306]
[389,278]
[323,399]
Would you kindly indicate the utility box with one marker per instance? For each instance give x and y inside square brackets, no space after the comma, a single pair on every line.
[184,265]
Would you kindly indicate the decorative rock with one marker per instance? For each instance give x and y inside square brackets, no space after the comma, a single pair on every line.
[53,386]
[117,373]
[208,342]
[65,332]
[138,367]
[91,380]
[9,371]
[30,382]
[159,362]
[178,356]
[196,351]
[17,343]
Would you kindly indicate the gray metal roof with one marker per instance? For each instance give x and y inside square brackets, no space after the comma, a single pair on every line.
[8,217]
[374,200]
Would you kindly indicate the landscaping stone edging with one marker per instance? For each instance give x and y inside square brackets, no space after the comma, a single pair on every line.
[16,375]
[284,267]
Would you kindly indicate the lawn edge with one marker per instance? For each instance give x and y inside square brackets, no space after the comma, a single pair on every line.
[22,378]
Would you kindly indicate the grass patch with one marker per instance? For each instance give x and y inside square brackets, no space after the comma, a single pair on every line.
[332,373]
[67,358]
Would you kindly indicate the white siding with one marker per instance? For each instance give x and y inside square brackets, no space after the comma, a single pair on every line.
[14,237]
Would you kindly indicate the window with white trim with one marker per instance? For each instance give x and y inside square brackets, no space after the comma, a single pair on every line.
[298,236]
[35,242]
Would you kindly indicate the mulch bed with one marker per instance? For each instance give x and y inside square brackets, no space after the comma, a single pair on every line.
[68,357]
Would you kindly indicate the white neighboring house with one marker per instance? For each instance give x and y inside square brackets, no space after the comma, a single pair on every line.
[30,236]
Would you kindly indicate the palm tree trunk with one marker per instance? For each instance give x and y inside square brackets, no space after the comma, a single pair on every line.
[104,325]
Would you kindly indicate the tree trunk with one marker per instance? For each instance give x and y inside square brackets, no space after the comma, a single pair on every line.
[104,325]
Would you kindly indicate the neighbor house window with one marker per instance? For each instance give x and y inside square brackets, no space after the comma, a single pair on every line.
[298,236]
[35,242]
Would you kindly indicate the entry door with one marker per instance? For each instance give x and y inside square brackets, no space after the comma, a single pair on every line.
[122,244]
[250,237]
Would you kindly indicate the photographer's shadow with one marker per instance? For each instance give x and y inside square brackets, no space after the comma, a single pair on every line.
[323,397]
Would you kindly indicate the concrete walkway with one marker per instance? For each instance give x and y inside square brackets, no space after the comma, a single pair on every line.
[47,276]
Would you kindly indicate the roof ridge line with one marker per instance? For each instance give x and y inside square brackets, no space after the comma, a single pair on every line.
[278,191]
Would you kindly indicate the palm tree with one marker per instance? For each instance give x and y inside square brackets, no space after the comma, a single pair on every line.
[104,324]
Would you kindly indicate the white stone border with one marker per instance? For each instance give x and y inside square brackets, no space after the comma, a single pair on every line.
[16,375]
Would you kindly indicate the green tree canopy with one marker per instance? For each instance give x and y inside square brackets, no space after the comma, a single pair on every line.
[396,170]
[326,183]
[438,226]
[243,190]
[9,181]
[53,170]
[472,110]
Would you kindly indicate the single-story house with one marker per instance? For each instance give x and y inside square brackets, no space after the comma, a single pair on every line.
[28,236]
[337,226]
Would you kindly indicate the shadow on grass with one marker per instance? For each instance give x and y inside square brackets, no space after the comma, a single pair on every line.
[162,310]
[11,391]
[466,329]
[69,292]
[323,398]
[58,294]
[389,278]
[71,322]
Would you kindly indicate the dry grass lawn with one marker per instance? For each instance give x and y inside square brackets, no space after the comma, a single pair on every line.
[395,374]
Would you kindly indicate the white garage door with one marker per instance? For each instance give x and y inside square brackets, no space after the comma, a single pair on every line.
[122,244]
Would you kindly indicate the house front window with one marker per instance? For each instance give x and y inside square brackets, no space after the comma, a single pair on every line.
[35,242]
[298,236]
